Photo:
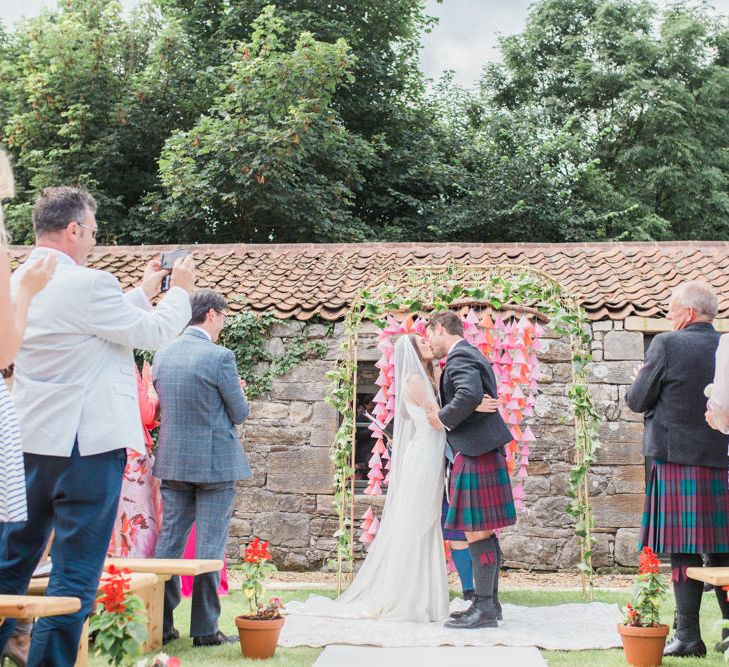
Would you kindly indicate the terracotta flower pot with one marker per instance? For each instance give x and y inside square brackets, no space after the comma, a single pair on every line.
[643,647]
[258,638]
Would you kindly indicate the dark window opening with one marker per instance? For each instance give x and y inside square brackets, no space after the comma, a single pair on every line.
[367,374]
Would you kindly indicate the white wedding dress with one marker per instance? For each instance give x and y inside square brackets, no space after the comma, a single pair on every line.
[404,575]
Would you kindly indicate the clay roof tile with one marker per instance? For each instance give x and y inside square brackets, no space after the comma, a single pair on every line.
[303,281]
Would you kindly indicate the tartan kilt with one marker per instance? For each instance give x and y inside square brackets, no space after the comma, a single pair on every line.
[480,494]
[686,509]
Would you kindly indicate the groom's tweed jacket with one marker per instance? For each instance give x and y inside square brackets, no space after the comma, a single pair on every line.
[200,404]
[467,376]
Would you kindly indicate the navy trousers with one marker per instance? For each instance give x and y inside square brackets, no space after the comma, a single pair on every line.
[77,497]
[210,506]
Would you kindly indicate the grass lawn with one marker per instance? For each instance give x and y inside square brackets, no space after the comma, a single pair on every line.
[305,657]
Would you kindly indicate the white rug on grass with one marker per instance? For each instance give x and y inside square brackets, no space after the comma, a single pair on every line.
[566,627]
[441,656]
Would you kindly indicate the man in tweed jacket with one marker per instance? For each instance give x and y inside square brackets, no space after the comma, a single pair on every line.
[199,457]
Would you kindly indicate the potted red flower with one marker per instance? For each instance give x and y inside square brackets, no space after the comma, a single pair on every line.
[642,633]
[260,628]
[120,623]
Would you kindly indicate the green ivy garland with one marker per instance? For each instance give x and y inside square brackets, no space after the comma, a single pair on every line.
[426,288]
[247,335]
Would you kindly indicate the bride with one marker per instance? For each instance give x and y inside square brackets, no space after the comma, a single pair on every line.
[404,575]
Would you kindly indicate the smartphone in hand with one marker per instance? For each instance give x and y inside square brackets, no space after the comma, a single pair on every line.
[167,261]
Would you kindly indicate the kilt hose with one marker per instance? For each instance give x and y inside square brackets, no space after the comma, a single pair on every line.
[480,494]
[686,509]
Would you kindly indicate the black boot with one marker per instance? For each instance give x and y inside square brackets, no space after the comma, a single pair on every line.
[482,613]
[687,640]
[676,648]
[468,596]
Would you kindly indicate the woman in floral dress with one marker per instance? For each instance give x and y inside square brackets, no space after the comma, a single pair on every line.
[140,504]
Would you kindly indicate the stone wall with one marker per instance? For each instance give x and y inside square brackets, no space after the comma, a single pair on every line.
[287,438]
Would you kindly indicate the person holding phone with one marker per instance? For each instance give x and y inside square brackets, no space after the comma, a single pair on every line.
[75,393]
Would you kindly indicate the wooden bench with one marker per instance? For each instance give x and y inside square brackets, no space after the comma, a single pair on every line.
[27,607]
[139,583]
[153,597]
[716,576]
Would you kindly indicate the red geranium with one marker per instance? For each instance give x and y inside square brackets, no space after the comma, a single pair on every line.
[648,562]
[113,590]
[120,624]
[255,569]
[257,551]
[650,589]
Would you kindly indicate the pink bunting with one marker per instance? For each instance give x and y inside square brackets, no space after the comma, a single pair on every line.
[375,474]
[365,537]
[509,346]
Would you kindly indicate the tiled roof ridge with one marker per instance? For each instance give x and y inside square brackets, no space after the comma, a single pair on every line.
[612,279]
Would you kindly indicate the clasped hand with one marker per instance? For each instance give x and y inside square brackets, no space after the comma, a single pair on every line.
[488,404]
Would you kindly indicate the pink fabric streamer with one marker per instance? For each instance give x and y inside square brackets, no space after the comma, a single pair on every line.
[186,582]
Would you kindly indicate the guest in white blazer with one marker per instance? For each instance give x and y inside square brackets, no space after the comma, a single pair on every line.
[75,394]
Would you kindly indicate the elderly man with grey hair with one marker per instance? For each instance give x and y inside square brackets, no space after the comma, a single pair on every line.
[686,510]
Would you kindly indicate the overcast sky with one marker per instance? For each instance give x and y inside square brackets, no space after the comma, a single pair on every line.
[465,38]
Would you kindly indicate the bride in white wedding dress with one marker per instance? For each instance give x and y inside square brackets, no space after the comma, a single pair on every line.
[404,576]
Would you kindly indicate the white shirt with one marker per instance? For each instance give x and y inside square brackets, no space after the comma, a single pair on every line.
[451,348]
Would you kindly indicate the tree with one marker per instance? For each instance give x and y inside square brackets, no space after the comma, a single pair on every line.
[271,160]
[69,76]
[649,105]
[383,101]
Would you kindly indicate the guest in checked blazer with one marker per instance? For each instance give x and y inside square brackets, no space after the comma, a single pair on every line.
[686,509]
[199,457]
[75,393]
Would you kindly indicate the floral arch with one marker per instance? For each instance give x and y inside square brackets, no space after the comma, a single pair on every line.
[422,289]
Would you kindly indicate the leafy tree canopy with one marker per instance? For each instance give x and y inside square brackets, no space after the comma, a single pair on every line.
[232,120]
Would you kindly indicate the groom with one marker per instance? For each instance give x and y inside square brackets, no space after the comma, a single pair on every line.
[480,490]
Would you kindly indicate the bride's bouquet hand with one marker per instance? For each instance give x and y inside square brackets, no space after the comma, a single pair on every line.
[488,404]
